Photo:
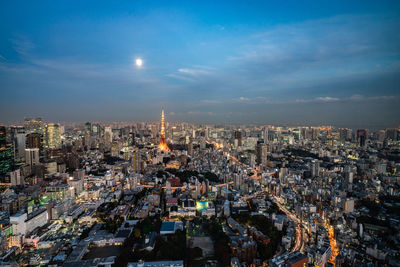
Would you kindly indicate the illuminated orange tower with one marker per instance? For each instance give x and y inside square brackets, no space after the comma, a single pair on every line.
[163,144]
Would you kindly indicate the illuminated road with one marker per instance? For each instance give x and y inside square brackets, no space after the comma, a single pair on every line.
[301,233]
[299,236]
[332,241]
[299,245]
[305,240]
[254,176]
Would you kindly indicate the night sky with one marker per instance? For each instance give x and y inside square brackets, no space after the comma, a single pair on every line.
[292,63]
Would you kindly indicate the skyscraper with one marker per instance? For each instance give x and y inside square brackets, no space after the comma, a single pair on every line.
[261,153]
[6,153]
[19,145]
[362,137]
[53,136]
[33,125]
[131,139]
[33,140]
[163,144]
[136,160]
[238,137]
[95,129]
[2,135]
[190,147]
[32,156]
[19,141]
[314,168]
[266,135]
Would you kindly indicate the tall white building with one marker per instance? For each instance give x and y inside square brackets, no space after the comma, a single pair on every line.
[32,156]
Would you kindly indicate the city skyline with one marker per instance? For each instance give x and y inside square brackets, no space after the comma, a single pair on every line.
[169,124]
[200,133]
[234,64]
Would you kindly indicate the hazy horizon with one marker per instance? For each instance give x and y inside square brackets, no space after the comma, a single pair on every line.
[249,124]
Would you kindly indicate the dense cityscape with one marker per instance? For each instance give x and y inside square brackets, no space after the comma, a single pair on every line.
[200,133]
[179,194]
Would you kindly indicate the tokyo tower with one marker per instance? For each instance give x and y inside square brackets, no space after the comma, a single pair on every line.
[163,144]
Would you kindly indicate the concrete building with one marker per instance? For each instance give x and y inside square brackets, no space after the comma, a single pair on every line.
[24,223]
[32,156]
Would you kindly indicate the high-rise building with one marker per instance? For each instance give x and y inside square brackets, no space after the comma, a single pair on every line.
[261,153]
[345,134]
[88,127]
[2,135]
[79,174]
[53,136]
[17,136]
[33,125]
[6,159]
[33,140]
[163,144]
[136,161]
[392,134]
[16,178]
[32,156]
[266,135]
[131,139]
[95,129]
[238,137]
[315,133]
[349,205]
[6,153]
[20,145]
[237,181]
[190,147]
[362,137]
[314,168]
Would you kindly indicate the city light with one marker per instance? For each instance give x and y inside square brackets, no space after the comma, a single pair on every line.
[163,144]
[279,144]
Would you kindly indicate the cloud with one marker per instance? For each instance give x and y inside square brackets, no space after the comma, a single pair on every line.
[179,77]
[366,98]
[326,99]
[22,45]
[242,99]
[320,99]
[344,62]
[323,61]
[353,98]
[193,72]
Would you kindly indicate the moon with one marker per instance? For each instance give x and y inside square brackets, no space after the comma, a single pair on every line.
[139,62]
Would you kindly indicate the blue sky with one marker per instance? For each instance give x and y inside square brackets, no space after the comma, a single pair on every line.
[311,62]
